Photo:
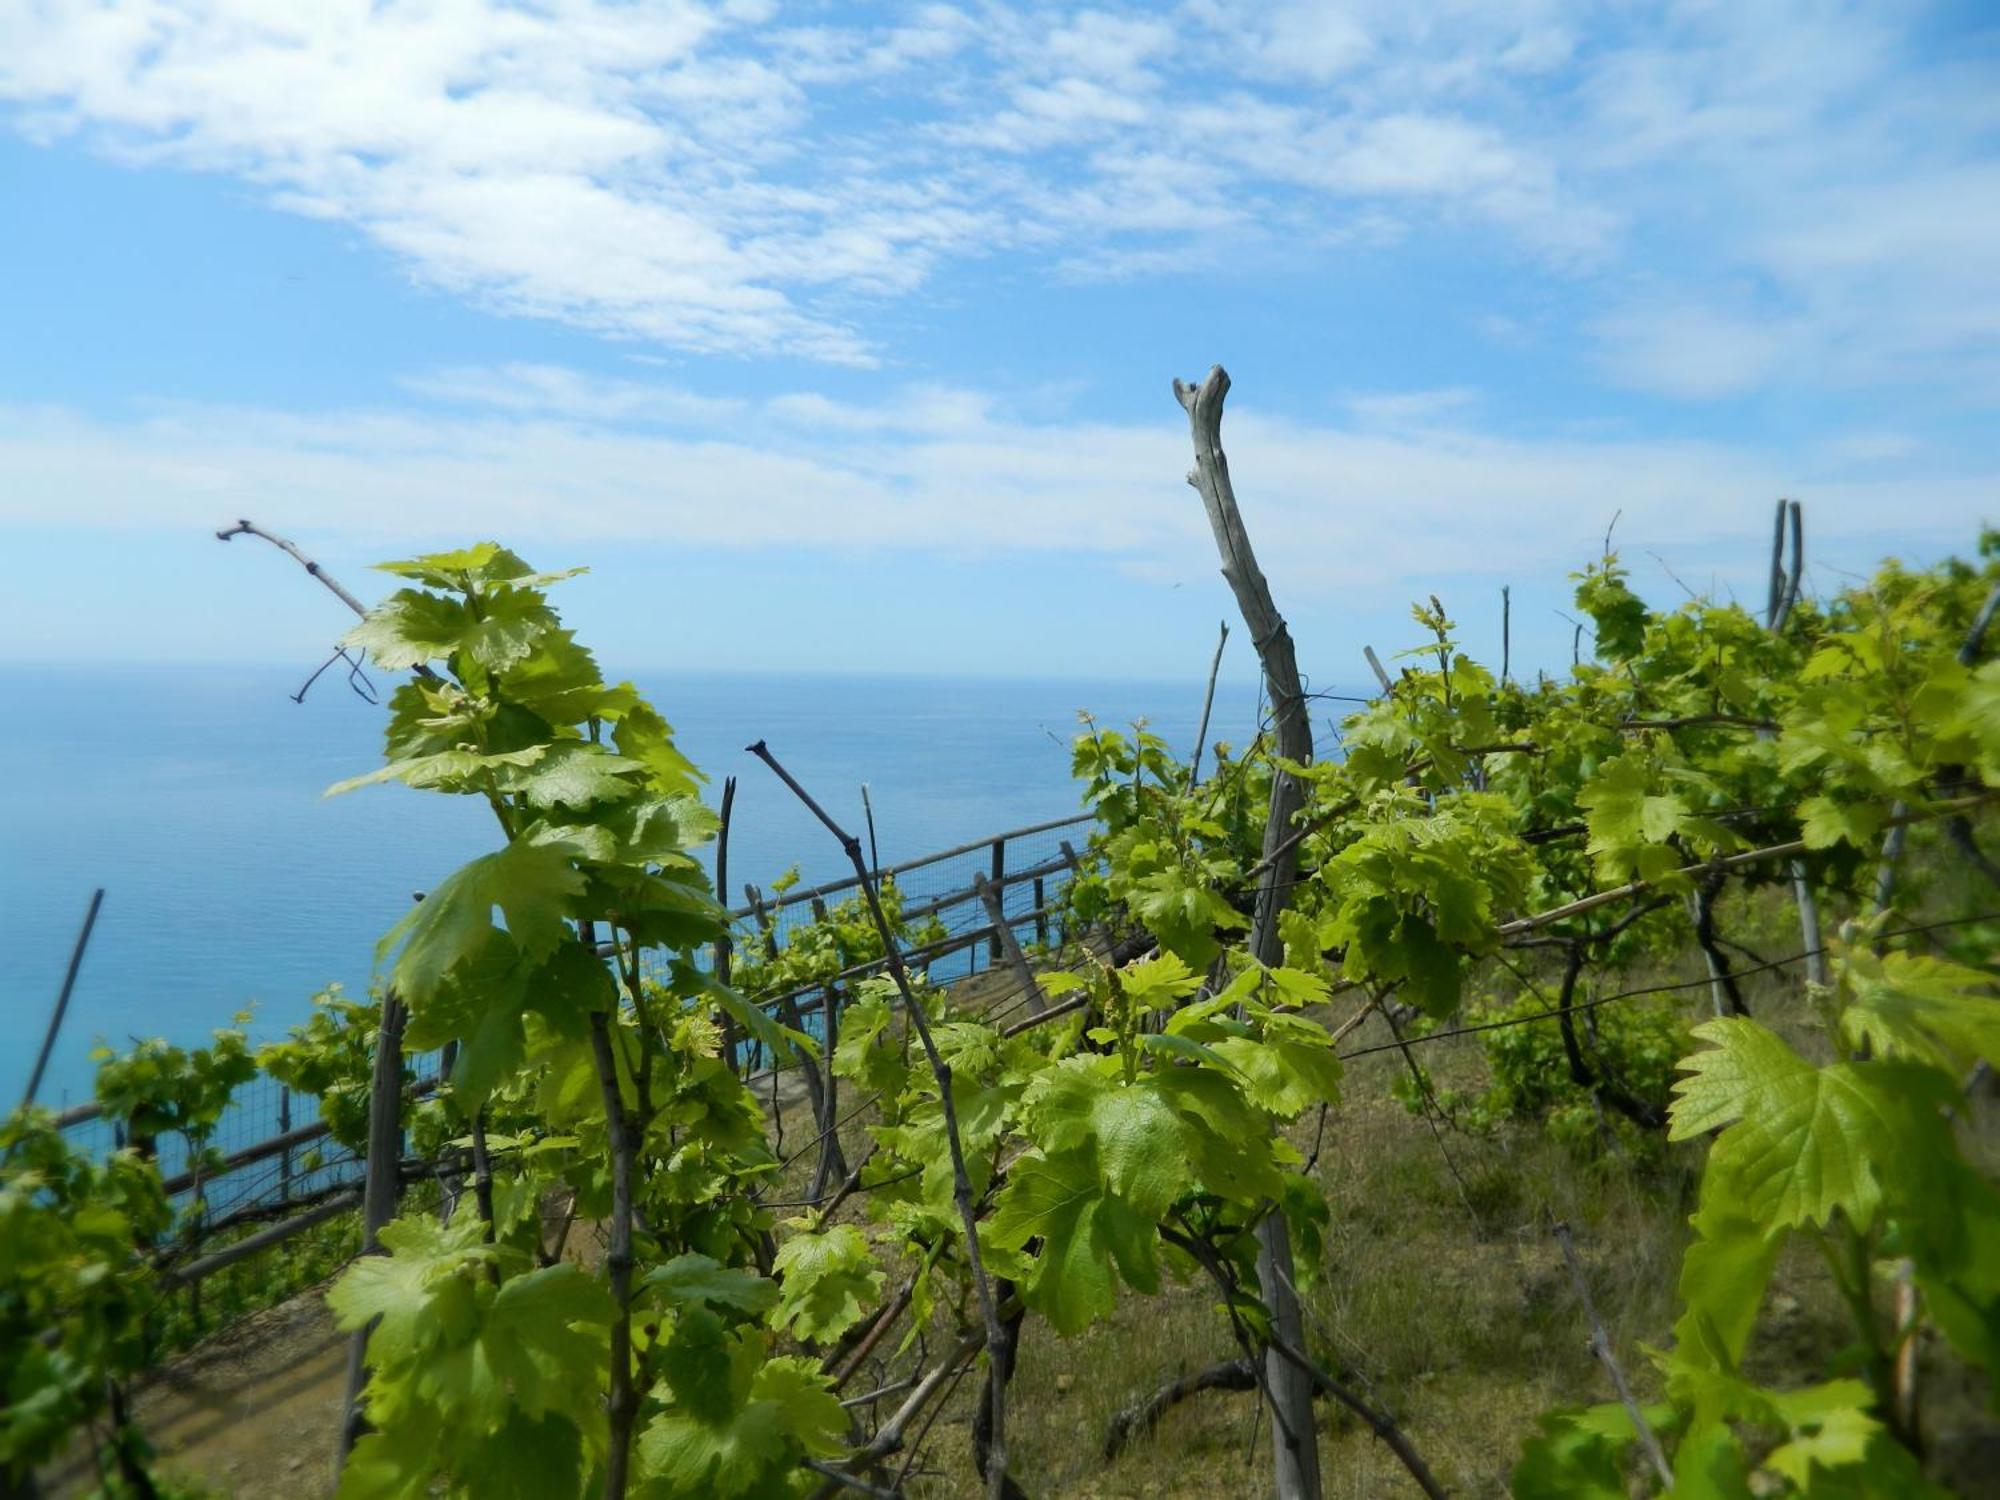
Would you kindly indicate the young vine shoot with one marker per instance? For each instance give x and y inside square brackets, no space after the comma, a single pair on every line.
[634,1304]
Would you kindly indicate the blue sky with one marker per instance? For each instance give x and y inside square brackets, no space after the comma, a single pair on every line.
[840,335]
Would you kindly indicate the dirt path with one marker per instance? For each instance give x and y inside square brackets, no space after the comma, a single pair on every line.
[251,1415]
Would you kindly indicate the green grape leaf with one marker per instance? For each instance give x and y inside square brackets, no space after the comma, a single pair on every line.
[1830,1427]
[1183,912]
[1227,1144]
[531,884]
[1302,940]
[482,562]
[1955,1248]
[1174,1045]
[1629,822]
[1158,982]
[409,628]
[1285,1076]
[507,625]
[1799,1141]
[698,1278]
[1055,1198]
[644,736]
[422,1291]
[392,1465]
[1132,1240]
[545,1337]
[1885,1468]
[1723,1277]
[826,1282]
[559,682]
[576,774]
[660,830]
[1916,1006]
[1825,822]
[1141,1143]
[449,770]
[747,1432]
[1577,1455]
[530,1458]
[811,1414]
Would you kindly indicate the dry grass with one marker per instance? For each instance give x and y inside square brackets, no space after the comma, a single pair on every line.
[1444,1296]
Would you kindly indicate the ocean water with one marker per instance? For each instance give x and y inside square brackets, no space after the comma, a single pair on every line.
[194,797]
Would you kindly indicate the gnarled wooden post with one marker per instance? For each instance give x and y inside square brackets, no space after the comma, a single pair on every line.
[1785,582]
[380,1188]
[1294,1442]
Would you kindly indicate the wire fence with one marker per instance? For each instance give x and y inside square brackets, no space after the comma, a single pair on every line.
[957,899]
[272,1144]
[274,1148]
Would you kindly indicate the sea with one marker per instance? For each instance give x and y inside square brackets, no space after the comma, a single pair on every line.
[194,796]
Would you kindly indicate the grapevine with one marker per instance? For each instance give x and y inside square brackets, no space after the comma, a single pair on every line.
[634,1306]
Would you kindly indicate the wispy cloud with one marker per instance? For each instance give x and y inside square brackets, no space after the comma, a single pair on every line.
[713,175]
[1412,491]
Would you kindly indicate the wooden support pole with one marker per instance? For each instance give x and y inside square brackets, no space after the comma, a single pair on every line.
[1041,914]
[1375,664]
[380,1189]
[195,1270]
[999,874]
[450,1179]
[724,940]
[62,998]
[1003,935]
[832,1164]
[285,1156]
[1295,1441]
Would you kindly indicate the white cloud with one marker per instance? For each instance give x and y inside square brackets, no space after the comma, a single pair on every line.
[1413,409]
[707,176]
[1826,156]
[726,177]
[1695,352]
[1414,493]
[558,391]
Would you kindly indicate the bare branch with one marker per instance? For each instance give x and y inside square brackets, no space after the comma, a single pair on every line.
[1600,1345]
[1207,704]
[996,1476]
[1138,1420]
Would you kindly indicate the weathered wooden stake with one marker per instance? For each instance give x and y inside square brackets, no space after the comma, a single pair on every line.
[996,913]
[1785,584]
[1294,1440]
[999,873]
[380,1188]
[62,997]
[285,1156]
[1375,664]
[724,941]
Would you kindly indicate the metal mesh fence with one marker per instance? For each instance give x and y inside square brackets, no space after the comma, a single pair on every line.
[270,1139]
[1026,870]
